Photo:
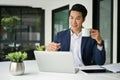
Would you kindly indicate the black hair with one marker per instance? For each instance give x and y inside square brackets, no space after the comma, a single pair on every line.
[80,8]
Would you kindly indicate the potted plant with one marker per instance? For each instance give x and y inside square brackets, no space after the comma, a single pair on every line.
[8,24]
[17,65]
[40,48]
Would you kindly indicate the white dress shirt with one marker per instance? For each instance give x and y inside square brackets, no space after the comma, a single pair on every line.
[75,48]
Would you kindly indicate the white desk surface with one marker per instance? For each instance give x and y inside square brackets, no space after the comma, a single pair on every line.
[32,73]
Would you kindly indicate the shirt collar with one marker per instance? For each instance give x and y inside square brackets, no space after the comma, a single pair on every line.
[72,34]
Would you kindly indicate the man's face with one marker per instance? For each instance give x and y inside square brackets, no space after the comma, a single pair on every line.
[76,20]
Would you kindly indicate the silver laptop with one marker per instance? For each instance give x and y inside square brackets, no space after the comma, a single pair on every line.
[55,61]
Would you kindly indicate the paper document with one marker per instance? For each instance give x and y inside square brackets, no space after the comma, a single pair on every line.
[112,67]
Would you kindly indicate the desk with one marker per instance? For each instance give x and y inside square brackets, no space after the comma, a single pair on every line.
[32,73]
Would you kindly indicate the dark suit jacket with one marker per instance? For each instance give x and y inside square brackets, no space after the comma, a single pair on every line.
[91,55]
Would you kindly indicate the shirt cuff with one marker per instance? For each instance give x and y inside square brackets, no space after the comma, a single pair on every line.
[100,47]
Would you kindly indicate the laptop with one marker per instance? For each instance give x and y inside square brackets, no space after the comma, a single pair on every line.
[55,61]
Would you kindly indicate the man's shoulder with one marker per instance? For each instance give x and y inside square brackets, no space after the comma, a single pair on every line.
[62,35]
[64,31]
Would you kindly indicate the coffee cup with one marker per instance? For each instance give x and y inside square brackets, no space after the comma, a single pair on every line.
[85,32]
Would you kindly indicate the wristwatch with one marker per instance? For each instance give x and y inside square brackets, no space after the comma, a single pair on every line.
[100,44]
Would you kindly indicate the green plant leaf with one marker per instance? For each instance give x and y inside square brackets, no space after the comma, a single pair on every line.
[16,56]
[40,48]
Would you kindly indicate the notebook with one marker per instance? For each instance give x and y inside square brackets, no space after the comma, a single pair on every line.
[55,61]
[92,69]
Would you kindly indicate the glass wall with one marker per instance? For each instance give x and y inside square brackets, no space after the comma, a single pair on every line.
[21,29]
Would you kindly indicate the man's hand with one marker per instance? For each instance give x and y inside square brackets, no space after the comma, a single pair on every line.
[53,46]
[96,35]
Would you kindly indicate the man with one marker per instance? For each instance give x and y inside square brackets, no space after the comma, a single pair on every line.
[86,50]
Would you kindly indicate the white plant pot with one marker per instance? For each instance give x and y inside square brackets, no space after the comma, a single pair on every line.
[17,68]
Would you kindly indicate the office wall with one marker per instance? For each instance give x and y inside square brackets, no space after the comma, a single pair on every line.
[49,5]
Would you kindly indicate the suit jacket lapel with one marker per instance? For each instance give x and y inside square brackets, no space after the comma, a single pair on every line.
[83,44]
[68,40]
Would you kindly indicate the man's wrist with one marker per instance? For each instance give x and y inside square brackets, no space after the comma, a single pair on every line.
[100,44]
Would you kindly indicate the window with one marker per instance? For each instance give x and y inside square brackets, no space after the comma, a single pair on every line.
[103,20]
[60,19]
[21,29]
